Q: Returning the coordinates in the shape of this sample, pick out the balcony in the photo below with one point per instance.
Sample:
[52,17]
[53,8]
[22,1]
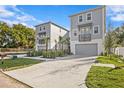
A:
[84,37]
[42,34]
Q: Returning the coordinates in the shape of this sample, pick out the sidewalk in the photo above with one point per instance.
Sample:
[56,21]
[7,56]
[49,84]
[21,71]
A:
[104,65]
[71,57]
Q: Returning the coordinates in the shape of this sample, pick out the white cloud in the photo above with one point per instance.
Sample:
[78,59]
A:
[116,12]
[25,18]
[14,15]
[5,13]
[116,8]
[119,17]
[9,22]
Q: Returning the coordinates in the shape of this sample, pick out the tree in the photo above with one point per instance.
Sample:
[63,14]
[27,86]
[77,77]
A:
[4,34]
[108,40]
[46,40]
[67,42]
[16,36]
[2,55]
[118,35]
[60,42]
[23,36]
[114,38]
[56,45]
[64,41]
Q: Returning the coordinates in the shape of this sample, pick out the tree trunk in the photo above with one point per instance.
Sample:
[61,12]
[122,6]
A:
[46,46]
[2,60]
[56,47]
[62,46]
[69,49]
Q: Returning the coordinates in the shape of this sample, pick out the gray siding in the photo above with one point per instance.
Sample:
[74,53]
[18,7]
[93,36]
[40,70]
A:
[86,50]
[97,19]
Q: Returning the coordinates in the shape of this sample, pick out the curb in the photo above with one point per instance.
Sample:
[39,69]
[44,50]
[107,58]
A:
[15,79]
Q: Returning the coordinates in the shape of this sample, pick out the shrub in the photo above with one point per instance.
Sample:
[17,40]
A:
[102,54]
[44,54]
[53,54]
[48,54]
[60,53]
[34,53]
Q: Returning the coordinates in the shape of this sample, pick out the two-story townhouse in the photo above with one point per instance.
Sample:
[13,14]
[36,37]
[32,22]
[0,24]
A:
[52,31]
[87,32]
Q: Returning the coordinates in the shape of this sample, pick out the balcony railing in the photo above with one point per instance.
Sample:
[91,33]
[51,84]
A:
[84,37]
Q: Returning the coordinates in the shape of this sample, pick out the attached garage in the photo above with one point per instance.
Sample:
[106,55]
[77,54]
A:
[86,50]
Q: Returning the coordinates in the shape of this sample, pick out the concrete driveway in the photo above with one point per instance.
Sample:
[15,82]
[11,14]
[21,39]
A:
[69,73]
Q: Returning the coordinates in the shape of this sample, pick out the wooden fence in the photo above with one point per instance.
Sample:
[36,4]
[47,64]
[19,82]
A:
[13,49]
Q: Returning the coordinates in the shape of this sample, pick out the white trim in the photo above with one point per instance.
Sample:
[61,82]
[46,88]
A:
[98,29]
[74,31]
[98,41]
[86,16]
[82,17]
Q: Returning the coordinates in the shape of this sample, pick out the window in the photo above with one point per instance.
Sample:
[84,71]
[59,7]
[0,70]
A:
[96,29]
[44,28]
[41,41]
[75,34]
[80,18]
[40,29]
[42,34]
[89,17]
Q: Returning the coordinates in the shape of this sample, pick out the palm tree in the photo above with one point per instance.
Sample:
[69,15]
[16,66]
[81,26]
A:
[60,42]
[68,44]
[64,41]
[108,44]
[56,45]
[46,40]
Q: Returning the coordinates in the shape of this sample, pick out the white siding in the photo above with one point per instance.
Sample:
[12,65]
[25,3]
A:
[55,33]
[47,30]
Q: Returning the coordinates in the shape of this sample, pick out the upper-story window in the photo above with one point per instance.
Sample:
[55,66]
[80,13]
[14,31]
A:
[44,28]
[89,16]
[75,34]
[96,29]
[41,41]
[40,28]
[80,18]
[43,34]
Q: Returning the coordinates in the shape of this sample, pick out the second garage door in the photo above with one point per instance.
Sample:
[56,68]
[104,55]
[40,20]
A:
[86,50]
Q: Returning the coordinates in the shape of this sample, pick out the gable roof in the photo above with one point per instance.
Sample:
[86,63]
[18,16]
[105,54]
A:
[89,10]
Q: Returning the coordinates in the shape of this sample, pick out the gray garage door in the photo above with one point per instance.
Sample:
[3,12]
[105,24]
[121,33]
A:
[86,50]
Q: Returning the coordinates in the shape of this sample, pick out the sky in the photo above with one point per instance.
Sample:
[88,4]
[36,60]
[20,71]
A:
[31,15]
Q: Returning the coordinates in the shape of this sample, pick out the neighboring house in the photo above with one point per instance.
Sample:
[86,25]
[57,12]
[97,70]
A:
[87,32]
[51,30]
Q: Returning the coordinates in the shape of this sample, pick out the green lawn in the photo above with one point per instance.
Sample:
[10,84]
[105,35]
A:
[114,60]
[10,64]
[104,77]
